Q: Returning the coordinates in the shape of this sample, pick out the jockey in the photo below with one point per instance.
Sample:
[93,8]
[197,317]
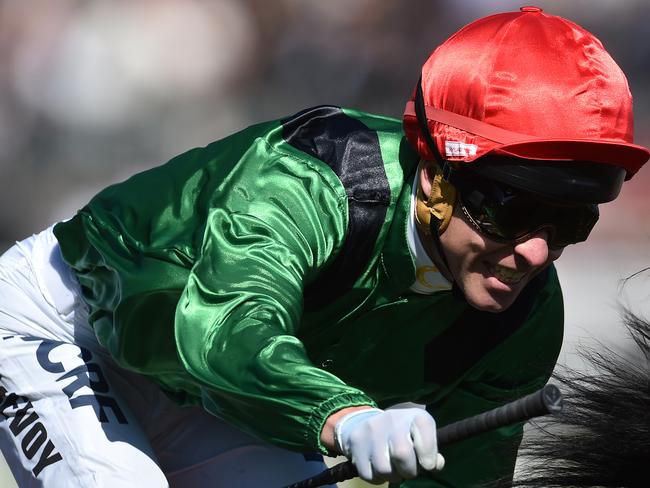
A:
[230,316]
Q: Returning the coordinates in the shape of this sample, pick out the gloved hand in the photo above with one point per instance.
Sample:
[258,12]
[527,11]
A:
[389,445]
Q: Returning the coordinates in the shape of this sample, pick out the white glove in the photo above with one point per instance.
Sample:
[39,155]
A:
[389,445]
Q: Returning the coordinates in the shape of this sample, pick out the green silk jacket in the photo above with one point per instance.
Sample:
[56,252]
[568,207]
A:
[266,277]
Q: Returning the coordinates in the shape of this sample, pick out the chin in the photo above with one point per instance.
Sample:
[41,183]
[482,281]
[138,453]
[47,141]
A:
[487,302]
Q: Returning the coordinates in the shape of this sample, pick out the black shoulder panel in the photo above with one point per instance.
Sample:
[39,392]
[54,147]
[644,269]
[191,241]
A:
[475,333]
[352,150]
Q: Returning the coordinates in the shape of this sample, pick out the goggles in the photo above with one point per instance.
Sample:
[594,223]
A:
[505,214]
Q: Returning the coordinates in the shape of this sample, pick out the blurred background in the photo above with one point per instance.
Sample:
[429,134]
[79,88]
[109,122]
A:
[92,92]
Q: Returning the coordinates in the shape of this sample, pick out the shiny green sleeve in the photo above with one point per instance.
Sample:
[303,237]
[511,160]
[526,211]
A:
[277,225]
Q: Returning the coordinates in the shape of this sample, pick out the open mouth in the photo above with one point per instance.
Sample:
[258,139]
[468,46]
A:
[508,276]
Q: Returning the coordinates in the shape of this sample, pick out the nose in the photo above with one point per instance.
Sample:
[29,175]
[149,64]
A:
[534,249]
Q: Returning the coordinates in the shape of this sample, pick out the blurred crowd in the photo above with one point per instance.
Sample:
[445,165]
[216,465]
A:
[93,91]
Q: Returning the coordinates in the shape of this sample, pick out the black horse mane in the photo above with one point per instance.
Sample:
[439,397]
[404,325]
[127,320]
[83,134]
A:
[602,438]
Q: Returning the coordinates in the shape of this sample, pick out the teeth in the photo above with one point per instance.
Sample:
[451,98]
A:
[507,275]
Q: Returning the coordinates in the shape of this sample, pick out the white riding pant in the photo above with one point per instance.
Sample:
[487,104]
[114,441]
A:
[71,417]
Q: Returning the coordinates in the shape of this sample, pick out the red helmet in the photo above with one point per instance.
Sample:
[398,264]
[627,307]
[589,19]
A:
[525,85]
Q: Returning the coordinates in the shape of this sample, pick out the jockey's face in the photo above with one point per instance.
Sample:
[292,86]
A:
[492,274]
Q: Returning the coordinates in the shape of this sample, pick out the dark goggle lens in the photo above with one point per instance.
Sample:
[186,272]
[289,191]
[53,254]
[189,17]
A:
[517,220]
[504,214]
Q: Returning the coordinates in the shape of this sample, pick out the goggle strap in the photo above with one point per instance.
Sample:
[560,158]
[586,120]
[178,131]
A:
[446,170]
[434,222]
[434,227]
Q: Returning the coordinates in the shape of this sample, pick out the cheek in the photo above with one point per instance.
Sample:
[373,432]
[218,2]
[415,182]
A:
[460,236]
[463,247]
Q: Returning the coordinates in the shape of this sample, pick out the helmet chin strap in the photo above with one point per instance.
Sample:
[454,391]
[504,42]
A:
[433,216]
